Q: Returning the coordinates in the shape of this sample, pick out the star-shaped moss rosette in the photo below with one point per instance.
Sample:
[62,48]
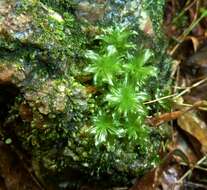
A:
[105,128]
[118,37]
[104,67]
[137,70]
[125,99]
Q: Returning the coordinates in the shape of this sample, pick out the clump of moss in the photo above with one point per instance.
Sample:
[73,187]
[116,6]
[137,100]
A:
[52,36]
[60,5]
[121,74]
[155,11]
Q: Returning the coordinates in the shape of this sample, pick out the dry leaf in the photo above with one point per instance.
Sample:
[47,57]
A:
[158,120]
[180,143]
[193,125]
[164,177]
[194,41]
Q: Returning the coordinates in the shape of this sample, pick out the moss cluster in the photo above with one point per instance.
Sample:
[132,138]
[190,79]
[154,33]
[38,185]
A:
[122,77]
[60,5]
[51,36]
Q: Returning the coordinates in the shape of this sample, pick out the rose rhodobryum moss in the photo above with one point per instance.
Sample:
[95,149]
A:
[121,73]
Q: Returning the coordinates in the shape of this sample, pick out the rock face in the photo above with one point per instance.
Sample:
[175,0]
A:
[44,107]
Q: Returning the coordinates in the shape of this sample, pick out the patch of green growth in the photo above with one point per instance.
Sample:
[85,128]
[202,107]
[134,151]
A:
[180,21]
[60,5]
[155,10]
[121,73]
[58,30]
[56,37]
[57,136]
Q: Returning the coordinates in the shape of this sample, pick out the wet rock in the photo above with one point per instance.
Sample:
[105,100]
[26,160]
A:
[10,72]
[6,75]
[50,113]
[25,112]
[92,12]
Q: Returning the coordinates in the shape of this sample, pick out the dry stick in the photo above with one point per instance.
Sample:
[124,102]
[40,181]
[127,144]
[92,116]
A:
[200,107]
[196,185]
[184,10]
[120,188]
[177,77]
[197,9]
[158,120]
[158,99]
[190,170]
[187,89]
[196,167]
[174,68]
[191,87]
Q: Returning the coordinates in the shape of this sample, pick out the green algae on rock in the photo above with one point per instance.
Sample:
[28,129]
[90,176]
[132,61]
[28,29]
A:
[53,36]
[43,46]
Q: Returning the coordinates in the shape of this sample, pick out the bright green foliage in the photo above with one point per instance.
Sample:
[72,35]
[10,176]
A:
[104,126]
[125,99]
[121,74]
[118,37]
[104,67]
[136,130]
[136,68]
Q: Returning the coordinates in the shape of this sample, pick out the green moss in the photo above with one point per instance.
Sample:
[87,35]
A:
[122,76]
[60,5]
[155,10]
[55,38]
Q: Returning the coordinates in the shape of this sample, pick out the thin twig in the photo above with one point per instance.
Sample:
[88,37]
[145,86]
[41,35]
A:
[191,87]
[190,105]
[120,188]
[187,89]
[177,77]
[158,99]
[190,170]
[184,10]
[195,185]
[186,32]
[196,167]
[174,68]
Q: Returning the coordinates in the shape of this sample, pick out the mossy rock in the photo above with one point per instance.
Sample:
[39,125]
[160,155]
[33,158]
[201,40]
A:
[43,45]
